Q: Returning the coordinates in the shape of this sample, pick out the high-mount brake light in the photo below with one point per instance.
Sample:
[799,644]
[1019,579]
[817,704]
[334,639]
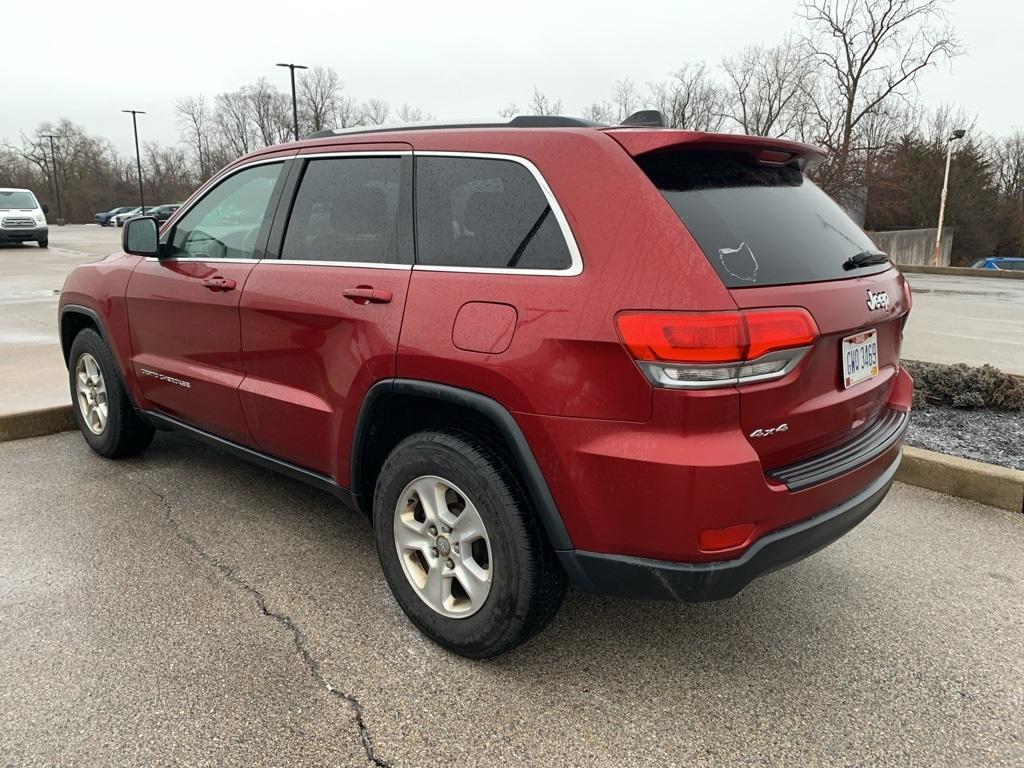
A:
[696,350]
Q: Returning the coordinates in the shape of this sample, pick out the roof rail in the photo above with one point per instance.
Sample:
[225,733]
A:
[519,121]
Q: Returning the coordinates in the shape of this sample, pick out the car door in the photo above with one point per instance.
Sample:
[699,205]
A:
[183,306]
[320,324]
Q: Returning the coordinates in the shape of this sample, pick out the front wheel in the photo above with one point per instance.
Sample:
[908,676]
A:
[460,545]
[104,413]
[44,243]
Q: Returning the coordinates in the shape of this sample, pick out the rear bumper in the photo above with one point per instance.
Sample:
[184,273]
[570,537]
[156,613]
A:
[23,235]
[636,577]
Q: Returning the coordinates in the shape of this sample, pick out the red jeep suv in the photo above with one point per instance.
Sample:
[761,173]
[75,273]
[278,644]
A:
[652,362]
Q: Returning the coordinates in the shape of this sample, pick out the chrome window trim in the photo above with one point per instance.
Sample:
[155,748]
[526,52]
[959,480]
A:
[576,266]
[318,263]
[358,153]
[215,181]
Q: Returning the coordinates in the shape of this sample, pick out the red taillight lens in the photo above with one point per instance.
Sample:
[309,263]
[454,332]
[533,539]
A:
[772,329]
[714,337]
[907,295]
[684,338]
[716,539]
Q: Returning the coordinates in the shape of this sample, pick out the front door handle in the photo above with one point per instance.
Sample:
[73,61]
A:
[366,294]
[219,284]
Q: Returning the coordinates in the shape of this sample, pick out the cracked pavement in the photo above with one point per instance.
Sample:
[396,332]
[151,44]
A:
[186,608]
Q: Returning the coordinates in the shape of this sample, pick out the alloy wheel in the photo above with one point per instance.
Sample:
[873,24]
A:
[443,546]
[92,393]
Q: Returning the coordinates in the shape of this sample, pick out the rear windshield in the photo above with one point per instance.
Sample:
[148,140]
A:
[17,198]
[759,225]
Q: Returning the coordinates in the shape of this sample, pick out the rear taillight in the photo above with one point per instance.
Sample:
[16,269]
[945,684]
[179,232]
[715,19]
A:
[695,350]
[908,300]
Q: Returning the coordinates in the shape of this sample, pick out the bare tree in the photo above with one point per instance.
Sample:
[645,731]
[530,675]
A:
[766,88]
[410,114]
[346,113]
[626,99]
[689,99]
[600,112]
[374,112]
[194,120]
[270,112]
[233,122]
[1008,162]
[319,94]
[868,52]
[540,104]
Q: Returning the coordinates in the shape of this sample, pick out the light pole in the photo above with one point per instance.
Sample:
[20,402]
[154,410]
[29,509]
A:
[958,134]
[138,157]
[56,182]
[295,105]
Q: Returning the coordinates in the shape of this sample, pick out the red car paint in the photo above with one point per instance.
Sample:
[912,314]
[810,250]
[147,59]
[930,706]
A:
[283,361]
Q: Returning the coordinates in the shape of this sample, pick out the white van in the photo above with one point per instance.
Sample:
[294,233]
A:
[22,218]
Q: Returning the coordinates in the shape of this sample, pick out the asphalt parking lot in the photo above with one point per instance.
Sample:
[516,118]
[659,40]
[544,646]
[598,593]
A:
[187,608]
[973,320]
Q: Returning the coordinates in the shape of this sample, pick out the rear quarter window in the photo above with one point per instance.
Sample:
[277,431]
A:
[758,225]
[485,213]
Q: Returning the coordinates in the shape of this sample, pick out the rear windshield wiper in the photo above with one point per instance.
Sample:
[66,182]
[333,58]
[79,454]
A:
[866,259]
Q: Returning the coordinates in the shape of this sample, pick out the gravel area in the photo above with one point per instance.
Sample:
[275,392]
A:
[989,435]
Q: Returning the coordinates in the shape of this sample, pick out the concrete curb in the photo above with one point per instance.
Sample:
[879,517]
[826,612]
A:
[46,421]
[987,483]
[960,271]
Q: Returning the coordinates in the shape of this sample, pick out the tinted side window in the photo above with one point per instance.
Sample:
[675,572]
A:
[346,210]
[225,224]
[484,213]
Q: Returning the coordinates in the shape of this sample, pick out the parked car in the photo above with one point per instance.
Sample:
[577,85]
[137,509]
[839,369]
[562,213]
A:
[106,219]
[1014,263]
[122,217]
[22,218]
[656,363]
[162,212]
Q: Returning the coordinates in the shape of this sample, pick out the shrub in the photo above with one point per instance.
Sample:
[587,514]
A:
[965,386]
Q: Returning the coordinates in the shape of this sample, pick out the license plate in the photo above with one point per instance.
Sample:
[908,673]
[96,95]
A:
[860,358]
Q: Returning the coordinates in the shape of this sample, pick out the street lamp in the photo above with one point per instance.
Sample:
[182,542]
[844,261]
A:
[295,106]
[138,157]
[958,134]
[56,183]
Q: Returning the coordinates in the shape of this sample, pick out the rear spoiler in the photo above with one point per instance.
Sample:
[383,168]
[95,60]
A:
[642,141]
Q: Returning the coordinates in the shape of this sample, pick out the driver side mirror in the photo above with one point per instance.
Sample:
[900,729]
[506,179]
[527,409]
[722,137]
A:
[141,236]
[44,207]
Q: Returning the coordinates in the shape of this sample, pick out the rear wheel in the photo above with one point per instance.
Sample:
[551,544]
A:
[105,415]
[460,545]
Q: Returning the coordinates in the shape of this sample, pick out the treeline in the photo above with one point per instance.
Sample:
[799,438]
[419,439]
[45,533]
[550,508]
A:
[844,79]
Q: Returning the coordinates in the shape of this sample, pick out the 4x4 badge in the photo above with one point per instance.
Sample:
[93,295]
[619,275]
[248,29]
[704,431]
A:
[879,300]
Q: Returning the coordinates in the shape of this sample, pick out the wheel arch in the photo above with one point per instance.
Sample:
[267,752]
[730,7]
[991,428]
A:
[73,319]
[393,409]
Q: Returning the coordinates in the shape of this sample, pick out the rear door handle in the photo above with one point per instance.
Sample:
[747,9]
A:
[366,294]
[219,284]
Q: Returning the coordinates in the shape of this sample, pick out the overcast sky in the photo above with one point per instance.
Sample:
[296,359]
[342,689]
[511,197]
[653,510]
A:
[88,60]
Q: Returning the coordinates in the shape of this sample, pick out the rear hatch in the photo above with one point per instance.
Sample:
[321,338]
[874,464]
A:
[776,240]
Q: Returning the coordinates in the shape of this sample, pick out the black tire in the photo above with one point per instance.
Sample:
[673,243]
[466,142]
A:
[124,434]
[527,584]
[44,243]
